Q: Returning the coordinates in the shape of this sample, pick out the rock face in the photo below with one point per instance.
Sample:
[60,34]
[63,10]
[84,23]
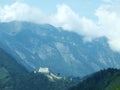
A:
[61,51]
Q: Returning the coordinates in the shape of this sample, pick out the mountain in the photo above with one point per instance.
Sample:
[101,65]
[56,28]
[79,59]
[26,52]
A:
[108,79]
[9,65]
[13,76]
[39,81]
[9,69]
[64,52]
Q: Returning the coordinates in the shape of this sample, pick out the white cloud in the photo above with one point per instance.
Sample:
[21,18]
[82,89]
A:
[108,23]
[69,20]
[66,18]
[21,12]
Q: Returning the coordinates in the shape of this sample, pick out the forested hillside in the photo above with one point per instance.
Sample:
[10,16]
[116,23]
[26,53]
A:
[103,80]
[15,77]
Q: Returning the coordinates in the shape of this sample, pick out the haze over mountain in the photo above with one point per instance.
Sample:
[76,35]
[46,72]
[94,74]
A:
[63,52]
[91,19]
[14,76]
[53,45]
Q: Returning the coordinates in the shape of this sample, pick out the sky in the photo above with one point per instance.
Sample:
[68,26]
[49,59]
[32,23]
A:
[89,18]
[82,7]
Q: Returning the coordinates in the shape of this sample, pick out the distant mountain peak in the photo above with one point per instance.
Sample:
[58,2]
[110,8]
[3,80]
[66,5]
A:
[59,50]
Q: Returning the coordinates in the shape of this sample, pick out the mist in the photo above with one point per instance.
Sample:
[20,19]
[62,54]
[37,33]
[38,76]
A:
[107,23]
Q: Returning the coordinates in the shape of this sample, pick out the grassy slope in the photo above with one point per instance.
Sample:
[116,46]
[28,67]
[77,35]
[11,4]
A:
[9,69]
[3,73]
[115,83]
[103,80]
[9,63]
[15,77]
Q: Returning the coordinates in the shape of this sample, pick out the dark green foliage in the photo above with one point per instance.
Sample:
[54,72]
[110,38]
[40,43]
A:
[9,63]
[9,69]
[32,82]
[15,77]
[103,80]
[38,81]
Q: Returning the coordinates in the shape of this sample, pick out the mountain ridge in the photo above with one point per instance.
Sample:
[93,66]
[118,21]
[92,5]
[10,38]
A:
[64,52]
[13,76]
[107,79]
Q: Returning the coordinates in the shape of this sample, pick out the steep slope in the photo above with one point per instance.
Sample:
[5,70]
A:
[9,69]
[103,80]
[64,52]
[13,76]
[8,63]
[38,81]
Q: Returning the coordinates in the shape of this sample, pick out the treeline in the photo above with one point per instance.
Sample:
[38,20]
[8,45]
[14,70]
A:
[107,79]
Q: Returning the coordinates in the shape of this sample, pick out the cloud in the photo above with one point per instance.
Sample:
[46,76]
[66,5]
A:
[21,12]
[65,17]
[107,24]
